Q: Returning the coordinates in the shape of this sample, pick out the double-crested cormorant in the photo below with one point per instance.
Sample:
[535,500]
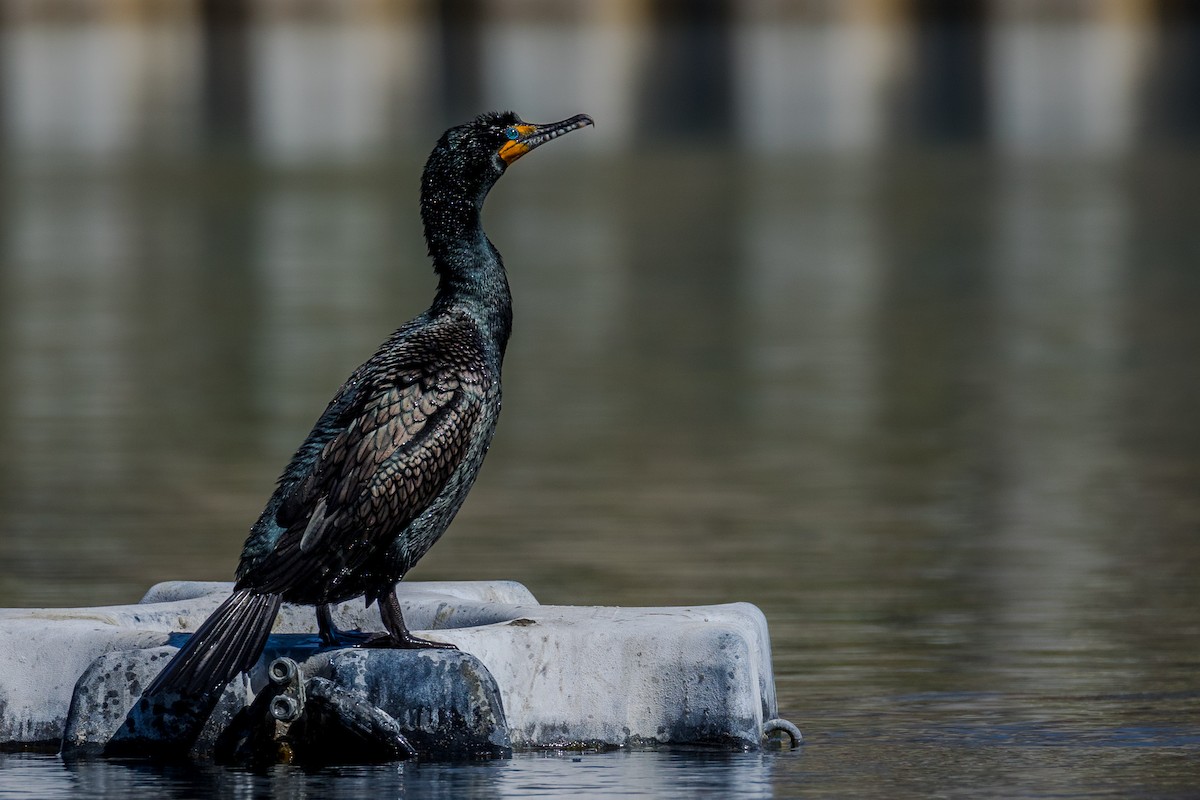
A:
[389,463]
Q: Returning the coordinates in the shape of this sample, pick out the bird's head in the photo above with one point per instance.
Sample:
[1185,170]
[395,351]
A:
[469,158]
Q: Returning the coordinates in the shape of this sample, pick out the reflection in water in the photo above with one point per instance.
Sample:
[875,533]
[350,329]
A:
[550,775]
[900,409]
[934,411]
[1060,254]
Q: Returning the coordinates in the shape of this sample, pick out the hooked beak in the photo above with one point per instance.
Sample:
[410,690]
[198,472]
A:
[534,135]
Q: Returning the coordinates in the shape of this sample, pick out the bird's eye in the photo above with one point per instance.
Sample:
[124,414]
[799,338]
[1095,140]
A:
[512,133]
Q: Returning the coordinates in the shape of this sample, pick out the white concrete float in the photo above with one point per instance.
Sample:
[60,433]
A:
[567,675]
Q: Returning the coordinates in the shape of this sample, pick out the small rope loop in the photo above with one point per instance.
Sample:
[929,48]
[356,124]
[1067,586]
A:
[783,726]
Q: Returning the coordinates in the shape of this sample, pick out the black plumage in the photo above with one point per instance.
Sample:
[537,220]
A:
[390,461]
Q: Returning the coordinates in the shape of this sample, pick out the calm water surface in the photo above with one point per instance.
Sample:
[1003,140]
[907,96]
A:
[936,416]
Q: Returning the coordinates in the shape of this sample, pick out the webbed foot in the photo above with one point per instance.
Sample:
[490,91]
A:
[398,634]
[333,636]
[407,642]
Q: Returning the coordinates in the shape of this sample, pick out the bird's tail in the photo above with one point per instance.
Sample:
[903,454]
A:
[229,642]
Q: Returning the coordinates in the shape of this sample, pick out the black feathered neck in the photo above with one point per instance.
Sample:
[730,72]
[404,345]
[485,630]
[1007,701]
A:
[463,167]
[460,172]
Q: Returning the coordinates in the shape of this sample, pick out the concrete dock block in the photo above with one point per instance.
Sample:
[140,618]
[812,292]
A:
[445,701]
[103,695]
[41,658]
[110,688]
[566,675]
[629,677]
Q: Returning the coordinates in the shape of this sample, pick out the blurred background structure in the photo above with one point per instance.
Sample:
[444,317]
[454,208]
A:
[881,314]
[347,80]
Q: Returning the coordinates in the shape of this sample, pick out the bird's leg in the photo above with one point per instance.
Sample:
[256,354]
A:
[399,635]
[333,636]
